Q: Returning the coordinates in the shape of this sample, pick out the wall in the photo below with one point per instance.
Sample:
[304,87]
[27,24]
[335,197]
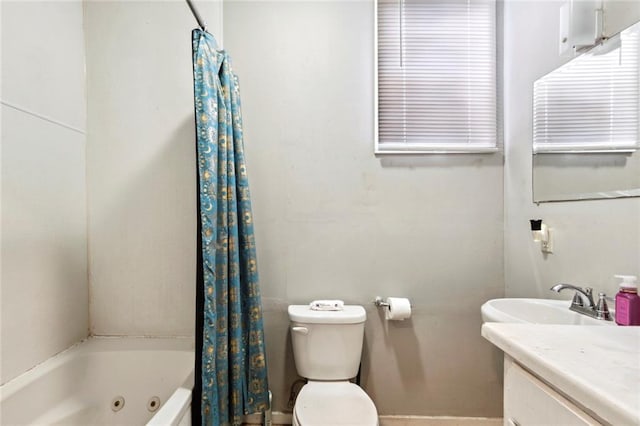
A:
[593,239]
[44,251]
[334,221]
[141,165]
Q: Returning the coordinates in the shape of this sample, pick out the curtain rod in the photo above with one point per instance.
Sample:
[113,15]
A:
[196,15]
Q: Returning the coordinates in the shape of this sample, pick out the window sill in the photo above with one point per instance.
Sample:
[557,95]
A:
[466,150]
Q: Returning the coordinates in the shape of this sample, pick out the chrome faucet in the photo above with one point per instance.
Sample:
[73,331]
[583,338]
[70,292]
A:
[583,301]
[582,294]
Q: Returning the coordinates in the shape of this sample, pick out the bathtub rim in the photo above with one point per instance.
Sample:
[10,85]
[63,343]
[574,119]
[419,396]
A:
[83,347]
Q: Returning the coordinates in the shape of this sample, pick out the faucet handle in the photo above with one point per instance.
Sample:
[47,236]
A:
[577,300]
[602,310]
[607,298]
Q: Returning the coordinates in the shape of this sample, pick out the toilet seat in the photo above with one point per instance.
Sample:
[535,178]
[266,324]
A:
[334,403]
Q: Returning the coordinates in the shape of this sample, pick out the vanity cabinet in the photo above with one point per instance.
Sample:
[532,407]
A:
[558,374]
[528,401]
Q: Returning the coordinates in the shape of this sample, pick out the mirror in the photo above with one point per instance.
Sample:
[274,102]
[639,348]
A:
[586,118]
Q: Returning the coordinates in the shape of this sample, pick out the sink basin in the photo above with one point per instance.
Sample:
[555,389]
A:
[535,311]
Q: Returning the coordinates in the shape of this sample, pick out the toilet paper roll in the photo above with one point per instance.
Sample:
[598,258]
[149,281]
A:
[399,309]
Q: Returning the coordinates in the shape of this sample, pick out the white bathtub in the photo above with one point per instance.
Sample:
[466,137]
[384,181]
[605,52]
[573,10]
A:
[81,385]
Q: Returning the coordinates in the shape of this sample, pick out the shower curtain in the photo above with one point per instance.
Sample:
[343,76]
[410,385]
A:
[231,370]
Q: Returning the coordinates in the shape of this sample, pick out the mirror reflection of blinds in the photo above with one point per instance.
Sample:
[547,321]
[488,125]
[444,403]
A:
[590,104]
[436,75]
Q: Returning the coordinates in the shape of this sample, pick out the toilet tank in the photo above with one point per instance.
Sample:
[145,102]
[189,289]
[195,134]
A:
[327,345]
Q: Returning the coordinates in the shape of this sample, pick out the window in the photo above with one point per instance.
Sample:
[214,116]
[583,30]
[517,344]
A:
[436,76]
[591,103]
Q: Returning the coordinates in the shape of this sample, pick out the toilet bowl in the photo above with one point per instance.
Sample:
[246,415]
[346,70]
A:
[327,346]
[334,403]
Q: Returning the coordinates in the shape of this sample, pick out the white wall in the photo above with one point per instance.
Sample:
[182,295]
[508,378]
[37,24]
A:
[334,221]
[141,165]
[593,239]
[44,250]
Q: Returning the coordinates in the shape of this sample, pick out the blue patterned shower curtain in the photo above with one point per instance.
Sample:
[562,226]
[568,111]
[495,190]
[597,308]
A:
[233,370]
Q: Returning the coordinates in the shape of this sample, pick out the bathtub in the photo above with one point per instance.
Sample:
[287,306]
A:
[105,381]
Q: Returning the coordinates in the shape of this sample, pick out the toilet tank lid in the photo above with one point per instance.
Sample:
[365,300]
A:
[351,314]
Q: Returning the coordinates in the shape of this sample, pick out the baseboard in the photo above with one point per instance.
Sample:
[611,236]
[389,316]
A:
[438,421]
[277,419]
[280,419]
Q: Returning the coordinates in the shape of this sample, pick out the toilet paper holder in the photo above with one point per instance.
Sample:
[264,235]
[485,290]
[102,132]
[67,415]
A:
[395,308]
[379,302]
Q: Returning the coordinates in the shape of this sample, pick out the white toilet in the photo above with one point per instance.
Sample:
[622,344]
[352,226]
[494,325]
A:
[326,347]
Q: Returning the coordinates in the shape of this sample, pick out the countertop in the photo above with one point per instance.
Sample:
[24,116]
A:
[596,367]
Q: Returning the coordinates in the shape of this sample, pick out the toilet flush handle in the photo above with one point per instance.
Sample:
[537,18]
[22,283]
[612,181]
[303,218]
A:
[301,330]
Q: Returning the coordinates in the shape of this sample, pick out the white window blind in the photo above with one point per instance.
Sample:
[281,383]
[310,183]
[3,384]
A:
[436,75]
[591,103]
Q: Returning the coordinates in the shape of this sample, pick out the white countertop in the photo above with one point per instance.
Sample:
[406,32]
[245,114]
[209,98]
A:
[596,367]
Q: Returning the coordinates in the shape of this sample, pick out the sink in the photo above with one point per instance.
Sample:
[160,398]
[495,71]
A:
[535,311]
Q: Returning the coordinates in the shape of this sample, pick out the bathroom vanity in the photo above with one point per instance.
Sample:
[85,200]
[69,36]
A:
[569,375]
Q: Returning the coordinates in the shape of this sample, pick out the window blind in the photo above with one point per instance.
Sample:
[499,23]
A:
[436,75]
[591,103]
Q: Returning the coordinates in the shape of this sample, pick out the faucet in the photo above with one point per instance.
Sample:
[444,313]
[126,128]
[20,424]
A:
[582,294]
[583,301]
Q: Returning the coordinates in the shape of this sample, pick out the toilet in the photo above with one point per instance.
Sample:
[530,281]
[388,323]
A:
[326,348]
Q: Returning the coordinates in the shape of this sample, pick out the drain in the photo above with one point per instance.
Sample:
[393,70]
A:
[153,404]
[117,403]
